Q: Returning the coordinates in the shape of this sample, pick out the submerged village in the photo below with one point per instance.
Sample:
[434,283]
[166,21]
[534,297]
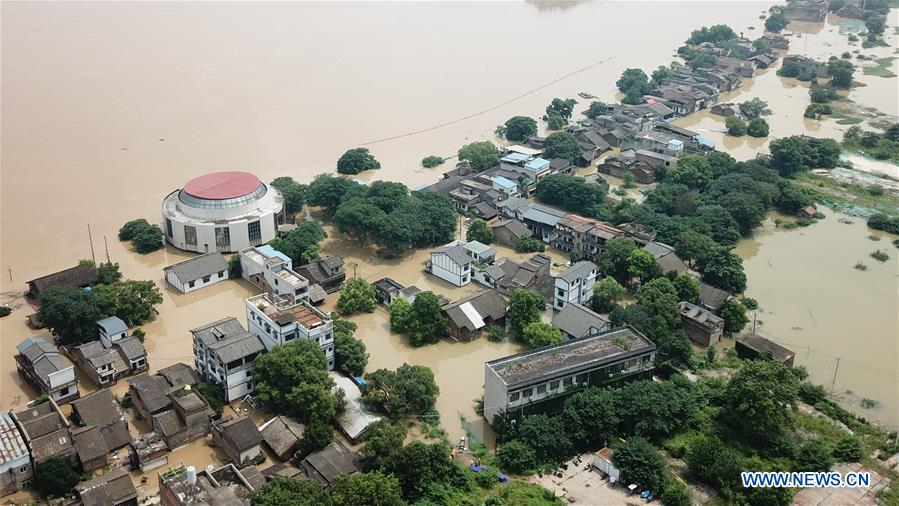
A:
[580,267]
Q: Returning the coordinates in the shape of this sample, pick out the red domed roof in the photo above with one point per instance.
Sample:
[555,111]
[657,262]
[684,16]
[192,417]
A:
[222,185]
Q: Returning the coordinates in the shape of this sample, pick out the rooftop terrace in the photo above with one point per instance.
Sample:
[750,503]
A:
[577,354]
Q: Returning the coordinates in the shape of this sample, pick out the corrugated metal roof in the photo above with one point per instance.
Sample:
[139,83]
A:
[12,445]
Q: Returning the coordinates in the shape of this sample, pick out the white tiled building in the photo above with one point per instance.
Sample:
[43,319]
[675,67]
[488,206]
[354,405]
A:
[280,322]
[451,263]
[575,285]
[272,271]
[225,353]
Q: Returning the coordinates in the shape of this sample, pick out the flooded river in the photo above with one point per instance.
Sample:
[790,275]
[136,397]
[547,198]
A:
[107,107]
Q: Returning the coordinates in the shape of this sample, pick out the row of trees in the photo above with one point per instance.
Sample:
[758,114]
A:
[302,243]
[72,313]
[385,213]
[571,193]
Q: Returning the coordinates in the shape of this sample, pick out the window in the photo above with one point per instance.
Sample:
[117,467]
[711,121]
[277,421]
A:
[221,274]
[541,389]
[254,231]
[581,379]
[23,469]
[567,382]
[223,237]
[554,385]
[64,391]
[631,363]
[206,279]
[190,235]
[560,292]
[514,396]
[168,227]
[527,392]
[190,284]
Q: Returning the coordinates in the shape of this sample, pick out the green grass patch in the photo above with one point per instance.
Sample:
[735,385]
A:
[841,193]
[882,69]
[845,119]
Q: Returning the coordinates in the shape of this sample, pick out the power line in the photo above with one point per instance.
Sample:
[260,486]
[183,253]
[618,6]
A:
[493,108]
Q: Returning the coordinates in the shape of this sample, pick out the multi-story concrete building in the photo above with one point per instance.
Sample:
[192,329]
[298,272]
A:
[539,380]
[225,353]
[272,271]
[574,285]
[46,370]
[280,322]
[702,326]
[16,470]
[451,263]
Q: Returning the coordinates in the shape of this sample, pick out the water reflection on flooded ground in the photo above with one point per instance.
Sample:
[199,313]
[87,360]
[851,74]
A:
[816,303]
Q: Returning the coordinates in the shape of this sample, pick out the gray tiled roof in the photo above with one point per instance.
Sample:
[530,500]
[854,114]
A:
[700,315]
[99,408]
[179,374]
[114,487]
[487,303]
[327,464]
[199,266]
[151,389]
[228,339]
[51,445]
[212,333]
[577,271]
[282,434]
[242,432]
[456,253]
[712,297]
[131,347]
[49,364]
[578,321]
[89,443]
[34,347]
[113,325]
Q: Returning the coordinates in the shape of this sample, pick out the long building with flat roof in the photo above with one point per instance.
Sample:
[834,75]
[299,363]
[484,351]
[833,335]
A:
[537,380]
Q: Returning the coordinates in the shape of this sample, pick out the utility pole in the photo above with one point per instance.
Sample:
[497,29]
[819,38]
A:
[834,382]
[106,244]
[10,274]
[91,239]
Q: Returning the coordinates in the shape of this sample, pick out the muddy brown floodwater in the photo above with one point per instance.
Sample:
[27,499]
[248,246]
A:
[107,107]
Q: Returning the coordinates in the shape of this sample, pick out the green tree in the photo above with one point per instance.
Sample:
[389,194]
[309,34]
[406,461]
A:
[849,449]
[716,222]
[660,301]
[294,194]
[357,296]
[776,23]
[426,324]
[746,208]
[350,355]
[527,244]
[327,191]
[148,239]
[641,264]
[725,270]
[70,313]
[758,400]
[694,247]
[715,34]
[360,219]
[420,467]
[213,394]
[282,490]
[640,462]
[555,122]
[366,489]
[520,128]
[654,410]
[595,109]
[480,155]
[590,418]
[382,439]
[813,456]
[318,434]
[400,314]
[539,334]
[293,379]
[126,233]
[613,261]
[301,245]
[108,273]
[659,74]
[134,301]
[714,462]
[562,145]
[410,390]
[675,493]
[572,193]
[525,307]
[55,478]
[547,436]
[754,108]
[606,293]
[429,162]
[735,126]
[758,127]
[841,73]
[479,231]
[687,287]
[702,61]
[734,315]
[876,26]
[356,160]
[632,80]
[561,107]
[517,457]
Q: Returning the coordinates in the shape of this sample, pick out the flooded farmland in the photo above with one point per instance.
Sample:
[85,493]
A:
[108,107]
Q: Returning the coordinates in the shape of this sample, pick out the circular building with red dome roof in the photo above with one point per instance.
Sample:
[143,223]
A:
[223,211]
